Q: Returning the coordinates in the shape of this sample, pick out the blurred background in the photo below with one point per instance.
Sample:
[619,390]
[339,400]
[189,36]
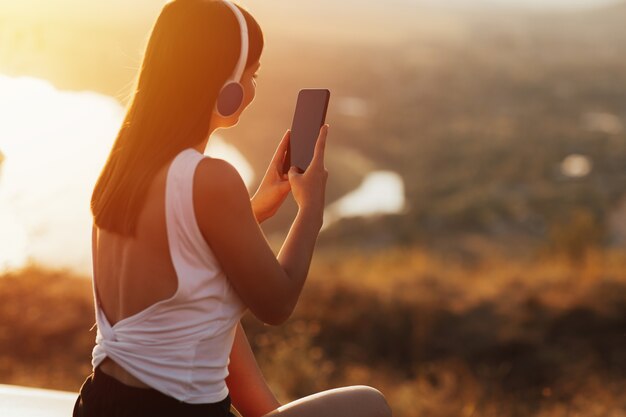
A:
[473,257]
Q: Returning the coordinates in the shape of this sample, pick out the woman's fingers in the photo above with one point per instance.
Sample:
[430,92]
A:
[320,146]
[279,155]
[282,146]
[277,165]
[293,173]
[297,170]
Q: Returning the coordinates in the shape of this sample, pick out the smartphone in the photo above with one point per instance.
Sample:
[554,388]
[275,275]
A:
[309,117]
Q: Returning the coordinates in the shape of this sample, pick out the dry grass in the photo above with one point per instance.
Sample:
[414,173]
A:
[437,337]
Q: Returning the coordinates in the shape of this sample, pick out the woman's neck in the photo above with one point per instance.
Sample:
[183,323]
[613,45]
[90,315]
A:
[201,147]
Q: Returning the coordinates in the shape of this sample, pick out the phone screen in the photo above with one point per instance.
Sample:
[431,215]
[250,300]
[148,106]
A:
[308,118]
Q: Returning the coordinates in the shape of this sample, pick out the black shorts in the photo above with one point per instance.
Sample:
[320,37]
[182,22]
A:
[102,395]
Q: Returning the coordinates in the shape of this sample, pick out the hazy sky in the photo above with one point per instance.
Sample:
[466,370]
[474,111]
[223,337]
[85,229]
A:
[139,6]
[543,4]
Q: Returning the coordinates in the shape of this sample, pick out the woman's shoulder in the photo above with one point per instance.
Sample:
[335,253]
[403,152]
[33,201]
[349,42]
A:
[216,180]
[215,174]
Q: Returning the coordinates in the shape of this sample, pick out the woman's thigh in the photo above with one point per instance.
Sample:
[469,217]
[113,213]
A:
[352,401]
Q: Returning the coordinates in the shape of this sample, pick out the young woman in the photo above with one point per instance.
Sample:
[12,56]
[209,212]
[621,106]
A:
[178,254]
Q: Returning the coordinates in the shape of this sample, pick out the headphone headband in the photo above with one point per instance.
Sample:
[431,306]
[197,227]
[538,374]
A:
[243,56]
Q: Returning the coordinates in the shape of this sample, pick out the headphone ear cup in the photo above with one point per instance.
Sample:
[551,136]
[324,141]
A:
[229,99]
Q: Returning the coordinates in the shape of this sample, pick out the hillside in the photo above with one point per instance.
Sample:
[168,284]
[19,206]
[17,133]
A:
[479,128]
[476,112]
[436,336]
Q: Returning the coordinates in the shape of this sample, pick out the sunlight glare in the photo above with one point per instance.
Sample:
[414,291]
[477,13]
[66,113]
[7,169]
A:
[576,166]
[54,145]
[381,192]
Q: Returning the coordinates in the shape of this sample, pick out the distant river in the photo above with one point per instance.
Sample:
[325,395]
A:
[53,145]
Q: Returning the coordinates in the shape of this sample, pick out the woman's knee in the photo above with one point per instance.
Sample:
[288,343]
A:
[348,401]
[374,399]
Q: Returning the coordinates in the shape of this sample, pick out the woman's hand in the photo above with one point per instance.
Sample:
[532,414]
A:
[309,188]
[275,185]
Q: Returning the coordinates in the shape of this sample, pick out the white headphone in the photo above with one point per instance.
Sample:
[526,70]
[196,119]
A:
[230,97]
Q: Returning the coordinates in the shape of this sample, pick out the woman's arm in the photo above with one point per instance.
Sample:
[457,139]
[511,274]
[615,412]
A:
[267,285]
[249,392]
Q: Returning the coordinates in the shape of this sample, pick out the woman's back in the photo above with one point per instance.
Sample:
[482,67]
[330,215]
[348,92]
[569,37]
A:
[174,335]
[132,273]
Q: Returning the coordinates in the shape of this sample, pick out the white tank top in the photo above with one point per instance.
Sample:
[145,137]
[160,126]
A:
[179,346]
